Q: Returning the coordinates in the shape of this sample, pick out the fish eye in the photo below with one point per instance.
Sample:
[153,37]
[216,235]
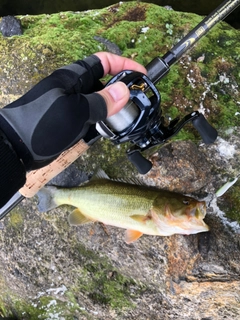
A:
[186,202]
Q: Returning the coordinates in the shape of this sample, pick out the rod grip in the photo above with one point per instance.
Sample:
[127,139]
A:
[36,179]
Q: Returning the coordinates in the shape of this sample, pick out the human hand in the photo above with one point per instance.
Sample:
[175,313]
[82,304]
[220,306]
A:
[116,95]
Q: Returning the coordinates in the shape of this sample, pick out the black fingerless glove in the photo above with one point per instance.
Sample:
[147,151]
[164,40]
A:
[47,120]
[56,113]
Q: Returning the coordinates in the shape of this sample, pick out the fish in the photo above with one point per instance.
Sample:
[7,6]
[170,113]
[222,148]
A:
[138,208]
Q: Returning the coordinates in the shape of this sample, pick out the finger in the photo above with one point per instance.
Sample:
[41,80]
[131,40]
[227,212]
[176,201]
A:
[115,96]
[113,64]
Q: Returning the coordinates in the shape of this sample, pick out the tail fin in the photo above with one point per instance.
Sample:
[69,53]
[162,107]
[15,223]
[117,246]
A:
[46,200]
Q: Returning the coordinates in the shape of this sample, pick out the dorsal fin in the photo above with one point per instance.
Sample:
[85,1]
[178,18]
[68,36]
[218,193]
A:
[99,174]
[133,181]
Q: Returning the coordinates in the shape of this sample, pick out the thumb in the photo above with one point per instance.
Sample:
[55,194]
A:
[116,96]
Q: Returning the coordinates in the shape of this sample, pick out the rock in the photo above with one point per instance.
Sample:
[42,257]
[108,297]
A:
[70,177]
[110,46]
[179,167]
[49,270]
[10,26]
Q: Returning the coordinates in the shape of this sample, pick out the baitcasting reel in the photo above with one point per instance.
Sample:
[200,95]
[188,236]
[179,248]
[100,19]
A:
[142,123]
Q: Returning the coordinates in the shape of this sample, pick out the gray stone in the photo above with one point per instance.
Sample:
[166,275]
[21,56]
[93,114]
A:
[10,26]
[70,177]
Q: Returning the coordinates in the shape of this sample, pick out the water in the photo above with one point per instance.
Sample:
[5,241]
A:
[15,7]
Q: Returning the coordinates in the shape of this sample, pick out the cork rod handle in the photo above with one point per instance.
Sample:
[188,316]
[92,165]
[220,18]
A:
[36,179]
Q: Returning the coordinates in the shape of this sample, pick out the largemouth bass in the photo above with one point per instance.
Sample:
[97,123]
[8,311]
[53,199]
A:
[139,209]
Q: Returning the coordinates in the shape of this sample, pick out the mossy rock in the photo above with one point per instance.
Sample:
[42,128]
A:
[157,277]
[50,41]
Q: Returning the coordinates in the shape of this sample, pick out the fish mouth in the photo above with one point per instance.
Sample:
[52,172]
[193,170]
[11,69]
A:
[201,210]
[196,216]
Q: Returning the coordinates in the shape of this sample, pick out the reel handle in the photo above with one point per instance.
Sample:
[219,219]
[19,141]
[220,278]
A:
[206,131]
[137,159]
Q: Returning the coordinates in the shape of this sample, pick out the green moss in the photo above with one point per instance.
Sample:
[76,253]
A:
[230,203]
[12,307]
[104,284]
[50,41]
[108,157]
[44,307]
[66,33]
[3,308]
[229,115]
[173,112]
[185,135]
[96,278]
[16,218]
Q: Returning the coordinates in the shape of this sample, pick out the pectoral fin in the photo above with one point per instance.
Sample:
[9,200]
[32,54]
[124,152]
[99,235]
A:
[132,235]
[138,218]
[76,218]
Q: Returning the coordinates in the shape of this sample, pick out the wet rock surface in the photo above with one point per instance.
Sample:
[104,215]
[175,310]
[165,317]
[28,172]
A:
[51,270]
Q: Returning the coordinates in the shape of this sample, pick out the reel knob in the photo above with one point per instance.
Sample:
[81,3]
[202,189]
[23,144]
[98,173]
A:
[206,131]
[137,159]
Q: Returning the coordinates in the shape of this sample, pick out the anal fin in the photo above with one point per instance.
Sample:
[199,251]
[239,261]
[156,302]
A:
[76,218]
[132,235]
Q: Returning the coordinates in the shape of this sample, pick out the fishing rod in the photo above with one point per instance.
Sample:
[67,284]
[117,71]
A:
[158,67]
[140,121]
